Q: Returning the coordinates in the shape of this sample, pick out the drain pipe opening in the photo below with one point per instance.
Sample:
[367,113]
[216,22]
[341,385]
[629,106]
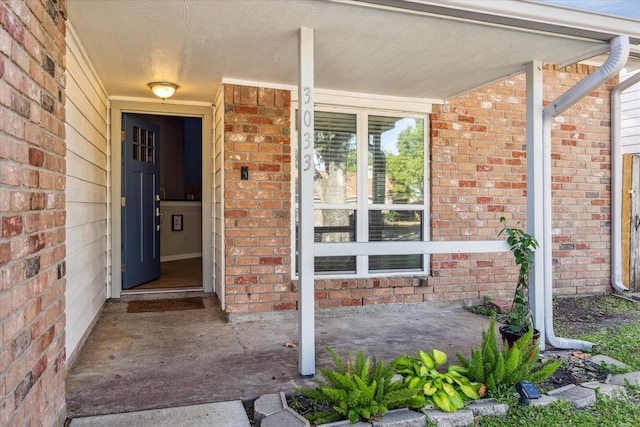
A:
[618,53]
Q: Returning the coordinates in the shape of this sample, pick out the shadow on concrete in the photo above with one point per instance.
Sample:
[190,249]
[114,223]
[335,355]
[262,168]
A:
[138,361]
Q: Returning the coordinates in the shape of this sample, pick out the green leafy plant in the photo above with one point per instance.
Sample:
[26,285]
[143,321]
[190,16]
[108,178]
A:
[446,391]
[360,390]
[522,246]
[498,369]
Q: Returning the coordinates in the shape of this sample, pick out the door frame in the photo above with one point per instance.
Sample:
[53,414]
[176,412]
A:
[117,107]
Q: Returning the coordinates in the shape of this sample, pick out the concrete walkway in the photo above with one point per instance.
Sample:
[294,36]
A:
[220,414]
[144,361]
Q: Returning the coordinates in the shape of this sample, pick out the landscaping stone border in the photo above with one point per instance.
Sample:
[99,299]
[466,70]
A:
[272,409]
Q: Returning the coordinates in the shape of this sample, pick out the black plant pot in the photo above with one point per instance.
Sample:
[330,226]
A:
[511,337]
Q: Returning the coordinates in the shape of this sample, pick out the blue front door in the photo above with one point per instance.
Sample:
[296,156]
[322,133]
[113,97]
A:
[140,202]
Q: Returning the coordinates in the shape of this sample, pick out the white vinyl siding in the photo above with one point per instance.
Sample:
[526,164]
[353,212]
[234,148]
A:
[630,119]
[218,187]
[86,194]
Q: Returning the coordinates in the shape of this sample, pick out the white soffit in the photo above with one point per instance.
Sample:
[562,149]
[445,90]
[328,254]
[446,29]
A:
[358,48]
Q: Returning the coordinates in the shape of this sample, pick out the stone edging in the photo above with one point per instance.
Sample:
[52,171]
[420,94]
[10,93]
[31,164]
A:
[271,410]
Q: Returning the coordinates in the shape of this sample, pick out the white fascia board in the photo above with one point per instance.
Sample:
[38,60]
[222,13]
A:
[525,14]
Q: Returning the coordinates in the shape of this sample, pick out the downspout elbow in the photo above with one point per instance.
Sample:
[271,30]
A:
[618,54]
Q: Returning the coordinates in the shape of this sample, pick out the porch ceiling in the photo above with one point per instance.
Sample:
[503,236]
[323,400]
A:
[358,48]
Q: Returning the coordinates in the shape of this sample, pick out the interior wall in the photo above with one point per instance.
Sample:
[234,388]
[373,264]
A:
[86,194]
[183,241]
[172,155]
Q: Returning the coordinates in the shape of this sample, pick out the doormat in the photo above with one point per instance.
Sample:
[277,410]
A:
[173,304]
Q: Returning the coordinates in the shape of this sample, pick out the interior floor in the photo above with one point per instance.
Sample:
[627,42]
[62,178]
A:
[183,273]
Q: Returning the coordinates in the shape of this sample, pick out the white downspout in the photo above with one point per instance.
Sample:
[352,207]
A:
[618,53]
[616,183]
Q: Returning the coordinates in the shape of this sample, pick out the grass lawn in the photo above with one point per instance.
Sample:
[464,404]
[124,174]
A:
[613,324]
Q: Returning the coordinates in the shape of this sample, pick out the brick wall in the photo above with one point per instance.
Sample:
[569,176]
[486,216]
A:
[32,213]
[478,174]
[581,187]
[257,211]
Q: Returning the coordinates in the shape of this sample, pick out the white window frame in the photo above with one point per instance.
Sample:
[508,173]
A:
[362,206]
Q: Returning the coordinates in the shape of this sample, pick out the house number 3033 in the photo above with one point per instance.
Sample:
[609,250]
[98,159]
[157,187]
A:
[307,129]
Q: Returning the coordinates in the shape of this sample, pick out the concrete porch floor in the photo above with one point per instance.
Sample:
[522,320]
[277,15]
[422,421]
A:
[138,361]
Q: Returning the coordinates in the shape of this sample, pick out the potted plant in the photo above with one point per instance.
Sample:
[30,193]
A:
[519,319]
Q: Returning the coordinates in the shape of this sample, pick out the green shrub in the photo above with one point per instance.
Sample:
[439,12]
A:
[445,391]
[498,369]
[522,246]
[361,390]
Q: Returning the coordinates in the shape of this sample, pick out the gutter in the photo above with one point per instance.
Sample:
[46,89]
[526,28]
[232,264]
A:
[618,54]
[616,183]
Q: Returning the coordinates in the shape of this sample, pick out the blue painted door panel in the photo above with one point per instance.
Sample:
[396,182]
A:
[140,220]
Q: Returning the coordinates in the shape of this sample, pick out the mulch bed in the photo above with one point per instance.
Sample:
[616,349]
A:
[579,315]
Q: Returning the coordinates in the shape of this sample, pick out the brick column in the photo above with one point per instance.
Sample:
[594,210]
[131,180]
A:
[257,210]
[32,213]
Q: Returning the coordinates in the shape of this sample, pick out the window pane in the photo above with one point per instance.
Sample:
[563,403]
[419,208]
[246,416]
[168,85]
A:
[334,225]
[342,229]
[335,264]
[396,160]
[335,157]
[335,165]
[399,226]
[395,262]
[395,225]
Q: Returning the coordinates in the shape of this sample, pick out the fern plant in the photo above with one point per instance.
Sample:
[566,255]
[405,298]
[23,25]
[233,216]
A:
[361,390]
[498,369]
[446,391]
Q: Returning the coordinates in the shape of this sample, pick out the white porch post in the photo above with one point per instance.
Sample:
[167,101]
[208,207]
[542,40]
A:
[535,192]
[306,315]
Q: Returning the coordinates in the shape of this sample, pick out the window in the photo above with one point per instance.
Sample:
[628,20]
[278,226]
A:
[144,143]
[368,187]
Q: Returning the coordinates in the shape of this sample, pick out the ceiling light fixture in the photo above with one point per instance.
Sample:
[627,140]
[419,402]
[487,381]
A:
[163,89]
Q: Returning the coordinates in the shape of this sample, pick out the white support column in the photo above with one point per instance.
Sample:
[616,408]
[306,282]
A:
[535,192]
[306,309]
